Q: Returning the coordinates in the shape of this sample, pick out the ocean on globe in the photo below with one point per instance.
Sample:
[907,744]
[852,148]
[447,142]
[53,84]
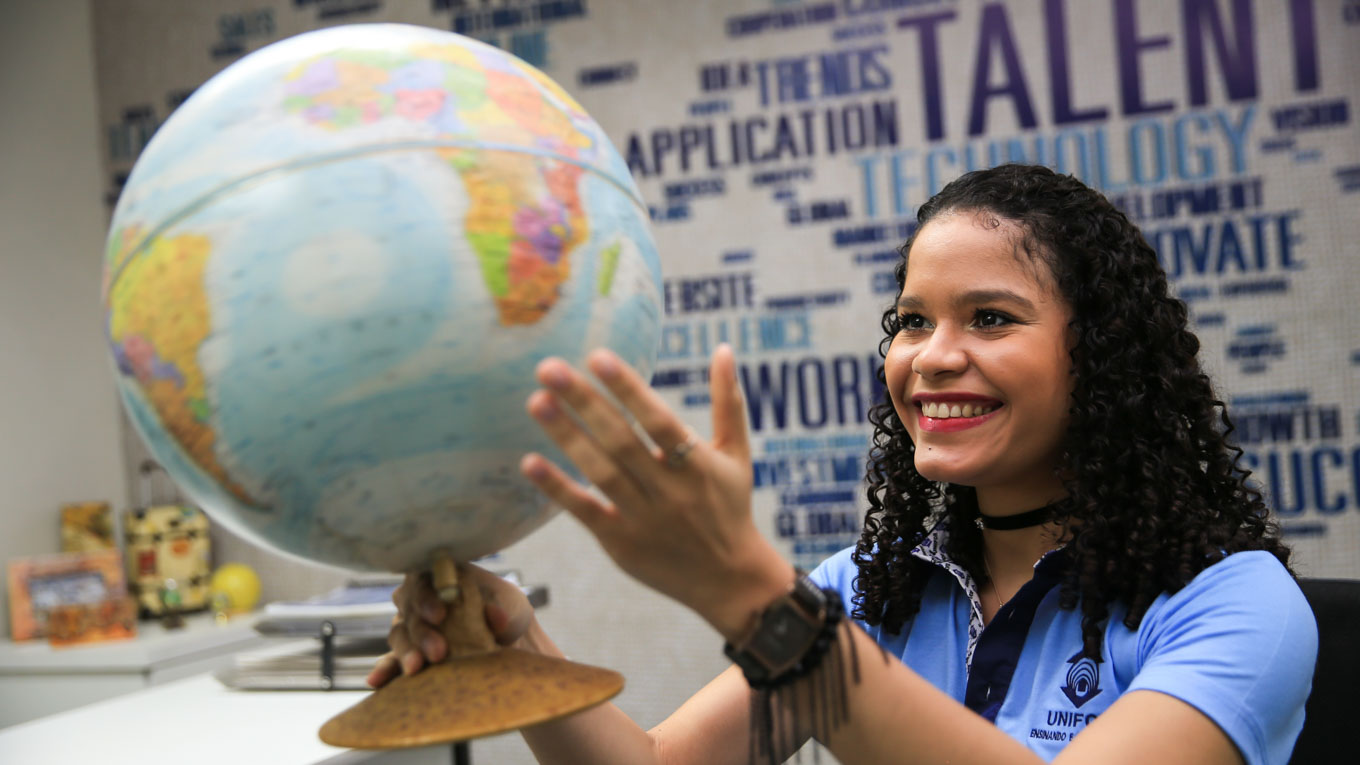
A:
[331,273]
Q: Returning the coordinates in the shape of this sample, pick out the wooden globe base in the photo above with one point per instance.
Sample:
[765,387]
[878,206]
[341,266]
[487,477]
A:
[479,690]
[471,696]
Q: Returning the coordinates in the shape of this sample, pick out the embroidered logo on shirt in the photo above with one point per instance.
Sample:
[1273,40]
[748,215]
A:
[1083,680]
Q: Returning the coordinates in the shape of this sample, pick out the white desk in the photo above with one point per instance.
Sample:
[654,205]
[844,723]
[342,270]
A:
[38,680]
[197,720]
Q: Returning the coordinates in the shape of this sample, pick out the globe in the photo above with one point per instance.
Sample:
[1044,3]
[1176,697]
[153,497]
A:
[331,273]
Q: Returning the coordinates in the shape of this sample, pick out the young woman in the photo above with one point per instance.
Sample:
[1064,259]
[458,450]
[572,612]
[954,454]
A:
[1061,560]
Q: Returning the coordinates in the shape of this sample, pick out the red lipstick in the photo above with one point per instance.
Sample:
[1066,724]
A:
[952,397]
[952,424]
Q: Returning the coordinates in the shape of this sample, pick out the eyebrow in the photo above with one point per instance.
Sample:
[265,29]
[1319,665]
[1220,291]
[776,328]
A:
[972,297]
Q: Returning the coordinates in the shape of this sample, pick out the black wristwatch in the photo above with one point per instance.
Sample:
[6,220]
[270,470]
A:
[782,634]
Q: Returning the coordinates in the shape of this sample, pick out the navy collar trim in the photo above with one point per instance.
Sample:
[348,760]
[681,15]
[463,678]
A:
[932,549]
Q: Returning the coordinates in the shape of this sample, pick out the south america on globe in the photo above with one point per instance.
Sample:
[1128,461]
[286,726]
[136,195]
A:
[330,275]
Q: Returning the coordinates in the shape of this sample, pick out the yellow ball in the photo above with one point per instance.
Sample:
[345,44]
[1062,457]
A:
[239,585]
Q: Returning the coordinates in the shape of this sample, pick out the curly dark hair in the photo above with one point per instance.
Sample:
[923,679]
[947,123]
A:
[1155,491]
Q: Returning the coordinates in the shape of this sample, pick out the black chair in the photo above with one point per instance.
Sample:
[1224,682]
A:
[1331,712]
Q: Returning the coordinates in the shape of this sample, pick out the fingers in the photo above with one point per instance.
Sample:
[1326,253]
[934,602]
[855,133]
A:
[613,471]
[406,657]
[505,627]
[416,594]
[606,425]
[561,489]
[637,396]
[729,406]
[384,671]
[415,638]
[506,608]
[427,643]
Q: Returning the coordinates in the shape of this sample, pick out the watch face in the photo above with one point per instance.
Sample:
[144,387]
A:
[784,637]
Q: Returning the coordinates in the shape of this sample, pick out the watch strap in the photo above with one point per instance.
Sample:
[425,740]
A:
[782,635]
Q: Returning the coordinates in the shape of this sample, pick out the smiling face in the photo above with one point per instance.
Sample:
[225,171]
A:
[980,371]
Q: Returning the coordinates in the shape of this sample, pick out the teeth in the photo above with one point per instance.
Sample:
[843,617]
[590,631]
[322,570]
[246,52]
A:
[946,411]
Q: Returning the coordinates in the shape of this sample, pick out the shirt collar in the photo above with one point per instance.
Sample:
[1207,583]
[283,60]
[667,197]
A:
[933,549]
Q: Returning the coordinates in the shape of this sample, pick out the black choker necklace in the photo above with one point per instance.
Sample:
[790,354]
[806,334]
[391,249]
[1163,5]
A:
[1018,521]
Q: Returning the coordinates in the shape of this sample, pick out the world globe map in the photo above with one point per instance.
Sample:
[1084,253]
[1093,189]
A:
[332,272]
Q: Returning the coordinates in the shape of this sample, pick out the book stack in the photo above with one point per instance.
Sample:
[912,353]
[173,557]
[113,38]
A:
[347,630]
[297,665]
[361,609]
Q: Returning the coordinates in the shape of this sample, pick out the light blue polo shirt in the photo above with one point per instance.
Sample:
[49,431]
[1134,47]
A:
[1238,643]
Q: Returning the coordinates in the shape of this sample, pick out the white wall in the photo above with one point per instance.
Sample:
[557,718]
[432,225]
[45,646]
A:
[60,437]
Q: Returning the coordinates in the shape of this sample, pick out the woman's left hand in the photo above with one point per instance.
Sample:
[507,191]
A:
[676,516]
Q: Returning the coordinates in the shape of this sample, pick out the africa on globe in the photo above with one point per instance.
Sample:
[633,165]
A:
[331,273]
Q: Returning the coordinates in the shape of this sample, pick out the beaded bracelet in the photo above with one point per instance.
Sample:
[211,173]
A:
[835,611]
[785,712]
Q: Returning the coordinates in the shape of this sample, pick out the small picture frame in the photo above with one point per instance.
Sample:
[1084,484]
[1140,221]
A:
[110,619]
[42,584]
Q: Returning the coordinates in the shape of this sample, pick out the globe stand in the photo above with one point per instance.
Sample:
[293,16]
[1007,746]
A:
[480,689]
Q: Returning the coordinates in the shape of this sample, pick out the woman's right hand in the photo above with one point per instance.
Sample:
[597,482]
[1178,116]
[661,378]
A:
[415,638]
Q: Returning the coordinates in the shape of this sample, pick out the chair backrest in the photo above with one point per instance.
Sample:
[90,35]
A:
[1330,722]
